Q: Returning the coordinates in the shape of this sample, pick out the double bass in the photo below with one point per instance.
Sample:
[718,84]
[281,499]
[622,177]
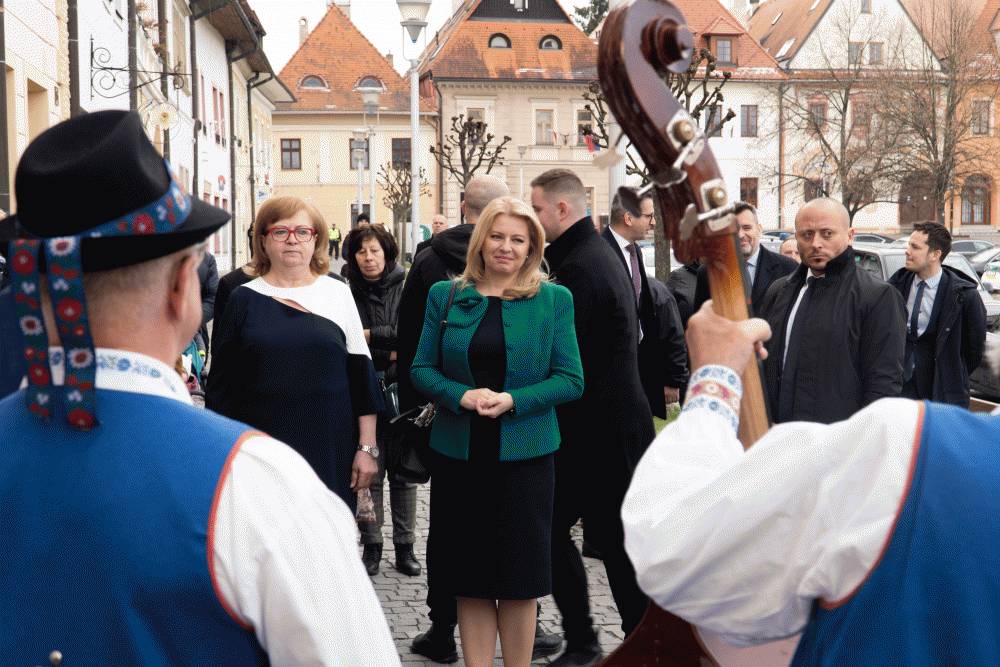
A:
[642,42]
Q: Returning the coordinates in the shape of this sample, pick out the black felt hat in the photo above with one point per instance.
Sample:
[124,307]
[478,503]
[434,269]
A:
[90,170]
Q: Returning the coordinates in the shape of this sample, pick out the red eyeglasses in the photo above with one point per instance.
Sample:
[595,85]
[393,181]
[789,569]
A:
[280,233]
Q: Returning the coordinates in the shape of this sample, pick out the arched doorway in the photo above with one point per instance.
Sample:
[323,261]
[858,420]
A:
[916,199]
[976,195]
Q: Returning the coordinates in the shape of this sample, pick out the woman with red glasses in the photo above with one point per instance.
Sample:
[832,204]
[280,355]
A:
[291,357]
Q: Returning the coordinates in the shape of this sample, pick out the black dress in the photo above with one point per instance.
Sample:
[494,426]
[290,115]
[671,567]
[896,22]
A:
[292,375]
[490,519]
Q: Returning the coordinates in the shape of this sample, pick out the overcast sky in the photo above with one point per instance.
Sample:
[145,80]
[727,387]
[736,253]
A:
[377,19]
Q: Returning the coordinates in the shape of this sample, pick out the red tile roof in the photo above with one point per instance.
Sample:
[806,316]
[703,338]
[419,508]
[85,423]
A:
[461,50]
[796,20]
[337,51]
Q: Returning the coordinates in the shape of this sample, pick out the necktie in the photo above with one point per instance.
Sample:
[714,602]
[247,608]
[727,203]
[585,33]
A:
[636,276]
[911,344]
[786,387]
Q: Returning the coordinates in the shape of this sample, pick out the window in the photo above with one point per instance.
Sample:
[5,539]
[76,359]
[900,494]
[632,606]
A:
[291,153]
[313,81]
[777,17]
[545,134]
[748,120]
[813,189]
[976,200]
[350,155]
[862,116]
[713,121]
[748,191]
[499,41]
[370,82]
[520,5]
[866,6]
[476,115]
[724,51]
[400,152]
[980,117]
[817,115]
[875,53]
[854,50]
[584,126]
[215,113]
[365,208]
[785,48]
[221,136]
[550,43]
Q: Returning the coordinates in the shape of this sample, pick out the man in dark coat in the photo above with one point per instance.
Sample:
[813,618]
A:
[659,356]
[605,432]
[439,223]
[839,336]
[682,283]
[945,320]
[763,267]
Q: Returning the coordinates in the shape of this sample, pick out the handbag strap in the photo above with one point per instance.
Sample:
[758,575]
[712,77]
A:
[444,321]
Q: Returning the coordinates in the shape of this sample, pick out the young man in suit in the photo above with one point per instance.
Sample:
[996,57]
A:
[662,351]
[945,320]
[763,266]
[604,433]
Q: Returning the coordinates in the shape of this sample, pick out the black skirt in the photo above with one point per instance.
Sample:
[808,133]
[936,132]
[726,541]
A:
[491,520]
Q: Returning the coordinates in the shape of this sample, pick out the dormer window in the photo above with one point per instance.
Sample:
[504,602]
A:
[785,48]
[370,82]
[550,43]
[313,81]
[499,41]
[724,50]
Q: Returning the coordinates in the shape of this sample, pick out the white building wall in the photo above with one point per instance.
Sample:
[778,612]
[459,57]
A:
[103,36]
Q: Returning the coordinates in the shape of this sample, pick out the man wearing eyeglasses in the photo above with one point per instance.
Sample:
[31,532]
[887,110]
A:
[662,351]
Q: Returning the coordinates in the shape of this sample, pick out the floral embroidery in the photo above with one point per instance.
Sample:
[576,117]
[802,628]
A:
[23,261]
[69,309]
[31,325]
[62,246]
[80,357]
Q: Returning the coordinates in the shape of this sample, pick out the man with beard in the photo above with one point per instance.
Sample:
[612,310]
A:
[604,433]
[839,331]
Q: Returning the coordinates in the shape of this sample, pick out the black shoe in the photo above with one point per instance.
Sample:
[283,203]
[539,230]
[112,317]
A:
[438,644]
[580,656]
[589,551]
[371,557]
[406,562]
[546,643]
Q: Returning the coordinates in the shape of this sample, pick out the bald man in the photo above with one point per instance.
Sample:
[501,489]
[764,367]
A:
[439,223]
[839,332]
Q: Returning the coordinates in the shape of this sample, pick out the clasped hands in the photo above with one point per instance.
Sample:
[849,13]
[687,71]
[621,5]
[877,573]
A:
[487,402]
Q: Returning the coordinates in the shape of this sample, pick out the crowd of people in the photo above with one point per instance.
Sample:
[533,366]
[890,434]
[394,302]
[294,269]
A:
[544,350]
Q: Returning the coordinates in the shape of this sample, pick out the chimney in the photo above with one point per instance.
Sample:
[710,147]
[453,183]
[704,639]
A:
[303,29]
[388,57]
[344,6]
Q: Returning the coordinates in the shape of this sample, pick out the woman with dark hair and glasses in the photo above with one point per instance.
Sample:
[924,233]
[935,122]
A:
[291,356]
[377,283]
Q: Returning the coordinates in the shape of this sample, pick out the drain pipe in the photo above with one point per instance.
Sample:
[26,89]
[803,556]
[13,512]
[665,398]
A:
[232,156]
[250,150]
[133,60]
[73,28]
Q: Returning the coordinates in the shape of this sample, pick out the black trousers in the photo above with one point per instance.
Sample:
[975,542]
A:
[440,601]
[592,491]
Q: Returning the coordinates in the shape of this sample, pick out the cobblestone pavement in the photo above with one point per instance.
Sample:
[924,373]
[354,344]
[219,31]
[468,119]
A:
[403,598]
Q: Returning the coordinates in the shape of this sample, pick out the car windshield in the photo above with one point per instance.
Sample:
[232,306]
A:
[893,262]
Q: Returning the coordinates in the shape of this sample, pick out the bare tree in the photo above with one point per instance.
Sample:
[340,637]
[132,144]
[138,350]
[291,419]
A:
[843,145]
[943,104]
[590,15]
[467,148]
[396,182]
[699,90]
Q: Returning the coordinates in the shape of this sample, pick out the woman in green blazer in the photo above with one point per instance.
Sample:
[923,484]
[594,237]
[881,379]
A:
[507,356]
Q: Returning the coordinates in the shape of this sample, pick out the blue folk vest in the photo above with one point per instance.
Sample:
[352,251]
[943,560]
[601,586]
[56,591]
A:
[934,597]
[104,536]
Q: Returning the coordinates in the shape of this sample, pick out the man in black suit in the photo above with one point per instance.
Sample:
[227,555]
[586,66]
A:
[662,351]
[945,320]
[763,266]
[606,431]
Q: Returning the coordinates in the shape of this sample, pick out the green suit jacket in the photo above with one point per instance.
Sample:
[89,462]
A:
[543,368]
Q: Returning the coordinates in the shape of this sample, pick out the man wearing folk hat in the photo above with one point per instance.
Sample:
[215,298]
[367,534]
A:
[124,543]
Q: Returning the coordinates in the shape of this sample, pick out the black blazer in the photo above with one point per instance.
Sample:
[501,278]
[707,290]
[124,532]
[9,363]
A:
[770,267]
[662,357]
[961,333]
[610,426]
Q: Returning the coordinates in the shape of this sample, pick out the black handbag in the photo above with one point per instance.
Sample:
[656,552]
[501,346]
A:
[407,458]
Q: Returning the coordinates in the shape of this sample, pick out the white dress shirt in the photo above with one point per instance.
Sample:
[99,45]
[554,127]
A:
[623,245]
[742,543]
[791,317]
[751,262]
[926,301]
[284,555]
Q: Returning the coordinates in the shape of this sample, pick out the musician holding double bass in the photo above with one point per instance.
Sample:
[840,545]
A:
[875,536]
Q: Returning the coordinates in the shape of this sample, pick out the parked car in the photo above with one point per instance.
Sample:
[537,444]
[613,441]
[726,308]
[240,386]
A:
[984,257]
[773,238]
[884,261]
[649,258]
[971,247]
[991,276]
[869,237]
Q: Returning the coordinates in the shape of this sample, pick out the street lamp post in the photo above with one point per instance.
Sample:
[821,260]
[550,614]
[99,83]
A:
[369,98]
[521,150]
[358,145]
[413,14]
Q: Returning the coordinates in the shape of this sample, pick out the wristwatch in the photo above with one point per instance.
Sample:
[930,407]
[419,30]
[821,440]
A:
[369,449]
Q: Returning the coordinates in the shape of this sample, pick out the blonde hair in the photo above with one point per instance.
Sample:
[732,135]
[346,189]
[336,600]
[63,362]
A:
[282,208]
[531,275]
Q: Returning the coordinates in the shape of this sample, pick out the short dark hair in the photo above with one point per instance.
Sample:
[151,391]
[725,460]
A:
[938,236]
[741,206]
[356,237]
[363,217]
[560,181]
[618,208]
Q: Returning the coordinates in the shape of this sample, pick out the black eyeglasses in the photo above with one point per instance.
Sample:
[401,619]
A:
[280,233]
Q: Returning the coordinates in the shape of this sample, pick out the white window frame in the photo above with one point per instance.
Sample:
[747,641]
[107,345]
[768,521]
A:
[579,106]
[544,105]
